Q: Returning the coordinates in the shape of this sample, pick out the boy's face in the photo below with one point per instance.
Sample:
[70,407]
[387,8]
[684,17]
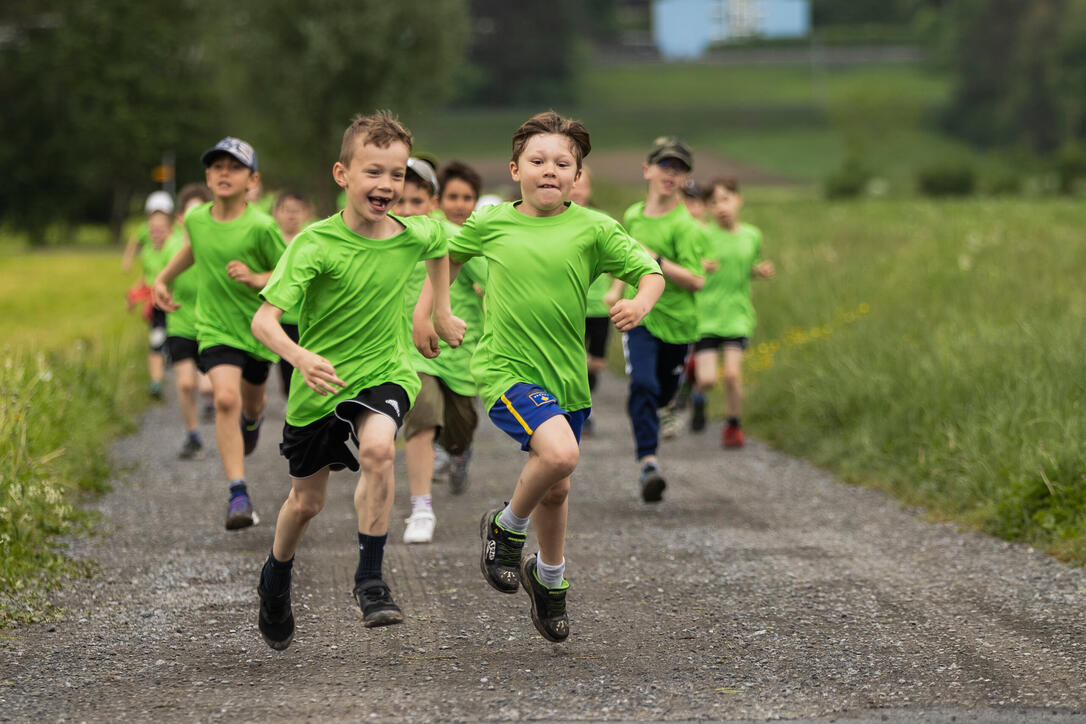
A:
[373,179]
[582,190]
[457,200]
[229,178]
[290,214]
[415,201]
[666,177]
[724,205]
[694,205]
[158,228]
[546,171]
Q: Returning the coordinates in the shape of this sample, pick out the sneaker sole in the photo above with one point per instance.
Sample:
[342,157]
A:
[238,522]
[482,556]
[652,490]
[536,621]
[277,645]
[383,618]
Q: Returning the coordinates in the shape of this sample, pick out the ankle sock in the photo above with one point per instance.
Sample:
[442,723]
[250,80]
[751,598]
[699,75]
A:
[511,522]
[550,576]
[237,488]
[371,554]
[421,502]
[733,422]
[276,574]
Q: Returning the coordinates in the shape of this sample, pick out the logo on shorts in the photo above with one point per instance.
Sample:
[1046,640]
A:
[541,398]
[393,405]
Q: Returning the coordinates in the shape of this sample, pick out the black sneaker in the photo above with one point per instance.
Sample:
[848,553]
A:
[697,420]
[375,600]
[500,561]
[652,483]
[193,449]
[250,433]
[548,604]
[276,621]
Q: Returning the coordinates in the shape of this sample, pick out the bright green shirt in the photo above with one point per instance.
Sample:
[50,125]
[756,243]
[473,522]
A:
[675,236]
[182,323]
[155,260]
[595,306]
[349,290]
[538,273]
[224,307]
[725,308]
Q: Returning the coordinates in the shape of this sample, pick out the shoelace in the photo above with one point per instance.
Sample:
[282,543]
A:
[556,607]
[376,595]
[506,553]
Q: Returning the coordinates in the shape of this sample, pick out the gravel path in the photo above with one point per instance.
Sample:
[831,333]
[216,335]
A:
[760,588]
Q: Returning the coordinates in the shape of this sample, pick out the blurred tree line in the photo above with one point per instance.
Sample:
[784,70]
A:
[95,91]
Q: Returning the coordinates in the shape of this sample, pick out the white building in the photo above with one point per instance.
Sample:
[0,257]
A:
[683,29]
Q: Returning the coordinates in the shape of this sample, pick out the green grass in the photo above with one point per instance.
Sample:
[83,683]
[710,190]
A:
[72,374]
[933,350]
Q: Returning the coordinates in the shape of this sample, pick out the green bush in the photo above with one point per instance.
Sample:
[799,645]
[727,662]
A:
[1070,166]
[946,180]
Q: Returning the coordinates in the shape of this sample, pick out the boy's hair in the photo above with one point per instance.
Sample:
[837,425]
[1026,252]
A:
[421,173]
[290,195]
[551,122]
[462,171]
[725,182]
[382,129]
[192,191]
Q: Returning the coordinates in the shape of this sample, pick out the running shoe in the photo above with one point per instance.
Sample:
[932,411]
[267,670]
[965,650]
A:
[375,600]
[458,472]
[732,436]
[276,620]
[670,423]
[250,433]
[207,415]
[193,449]
[239,513]
[420,527]
[548,604]
[652,483]
[500,561]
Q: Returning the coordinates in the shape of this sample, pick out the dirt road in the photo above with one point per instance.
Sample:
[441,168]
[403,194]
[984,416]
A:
[760,588]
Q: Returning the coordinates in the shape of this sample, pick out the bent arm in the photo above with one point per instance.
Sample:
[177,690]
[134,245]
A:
[681,276]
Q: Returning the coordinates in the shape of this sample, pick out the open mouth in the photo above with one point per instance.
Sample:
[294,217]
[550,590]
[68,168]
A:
[379,204]
[549,186]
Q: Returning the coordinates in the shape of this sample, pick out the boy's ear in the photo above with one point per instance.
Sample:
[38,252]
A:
[578,176]
[254,179]
[645,171]
[339,173]
[514,171]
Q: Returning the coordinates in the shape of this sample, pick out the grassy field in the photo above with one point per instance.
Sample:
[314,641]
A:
[934,350]
[72,377]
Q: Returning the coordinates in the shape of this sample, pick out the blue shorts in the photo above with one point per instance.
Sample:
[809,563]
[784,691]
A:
[524,407]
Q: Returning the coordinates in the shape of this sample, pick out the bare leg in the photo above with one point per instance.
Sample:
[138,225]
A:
[185,372]
[156,366]
[226,384]
[705,369]
[420,462]
[543,486]
[733,380]
[376,487]
[305,500]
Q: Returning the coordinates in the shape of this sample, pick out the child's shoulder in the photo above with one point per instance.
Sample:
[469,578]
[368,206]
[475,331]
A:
[198,212]
[634,210]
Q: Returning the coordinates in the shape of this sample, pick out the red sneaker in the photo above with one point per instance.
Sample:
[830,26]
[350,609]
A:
[732,437]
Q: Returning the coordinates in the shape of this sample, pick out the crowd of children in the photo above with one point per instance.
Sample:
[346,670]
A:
[414,303]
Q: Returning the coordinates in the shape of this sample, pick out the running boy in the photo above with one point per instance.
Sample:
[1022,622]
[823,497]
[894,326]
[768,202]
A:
[542,254]
[291,211]
[656,350]
[355,380]
[234,248]
[733,256]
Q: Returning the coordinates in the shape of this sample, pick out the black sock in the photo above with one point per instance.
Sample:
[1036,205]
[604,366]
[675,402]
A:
[592,377]
[733,422]
[276,574]
[371,553]
[237,487]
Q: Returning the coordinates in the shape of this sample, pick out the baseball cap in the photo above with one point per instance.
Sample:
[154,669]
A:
[231,146]
[424,171]
[671,147]
[158,201]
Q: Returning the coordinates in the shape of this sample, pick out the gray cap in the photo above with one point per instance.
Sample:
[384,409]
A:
[424,171]
[231,146]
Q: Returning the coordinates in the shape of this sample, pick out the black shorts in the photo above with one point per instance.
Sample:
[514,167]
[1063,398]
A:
[717,343]
[182,348]
[323,443]
[157,338]
[596,332]
[253,370]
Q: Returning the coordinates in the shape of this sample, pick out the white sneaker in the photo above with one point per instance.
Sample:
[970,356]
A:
[420,527]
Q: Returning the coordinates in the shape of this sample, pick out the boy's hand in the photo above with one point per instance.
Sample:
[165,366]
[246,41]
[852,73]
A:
[318,373]
[241,273]
[424,337]
[628,313]
[710,265]
[450,328]
[162,297]
[765,270]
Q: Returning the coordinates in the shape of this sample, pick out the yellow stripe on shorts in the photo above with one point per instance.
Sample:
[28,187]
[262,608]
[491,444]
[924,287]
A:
[509,406]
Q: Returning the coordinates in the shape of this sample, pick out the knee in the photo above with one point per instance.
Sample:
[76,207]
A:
[306,505]
[557,495]
[227,401]
[732,378]
[186,386]
[377,457]
[561,460]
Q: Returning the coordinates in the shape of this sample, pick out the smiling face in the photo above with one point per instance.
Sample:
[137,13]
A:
[229,178]
[415,201]
[666,177]
[373,180]
[546,170]
[457,200]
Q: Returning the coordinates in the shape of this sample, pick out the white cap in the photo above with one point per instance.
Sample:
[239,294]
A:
[488,200]
[424,170]
[158,201]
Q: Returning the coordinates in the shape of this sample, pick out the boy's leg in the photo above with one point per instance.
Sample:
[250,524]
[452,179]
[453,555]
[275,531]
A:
[305,500]
[226,387]
[156,370]
[641,352]
[733,386]
[420,426]
[705,370]
[457,434]
[185,379]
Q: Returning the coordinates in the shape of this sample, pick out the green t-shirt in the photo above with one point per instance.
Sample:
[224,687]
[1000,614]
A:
[595,306]
[224,307]
[538,273]
[155,260]
[678,237]
[725,308]
[182,323]
[349,291]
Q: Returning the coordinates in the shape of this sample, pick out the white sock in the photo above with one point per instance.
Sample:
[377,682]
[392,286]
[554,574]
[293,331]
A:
[550,576]
[510,521]
[421,502]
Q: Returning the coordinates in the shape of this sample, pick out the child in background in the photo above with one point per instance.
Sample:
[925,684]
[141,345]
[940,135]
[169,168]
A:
[234,247]
[156,201]
[692,199]
[291,212]
[542,253]
[733,256]
[354,377]
[459,186]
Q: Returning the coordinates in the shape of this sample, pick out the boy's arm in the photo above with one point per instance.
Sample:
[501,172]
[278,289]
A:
[449,328]
[130,250]
[763,270]
[181,261]
[628,313]
[423,333]
[679,274]
[240,272]
[614,293]
[318,373]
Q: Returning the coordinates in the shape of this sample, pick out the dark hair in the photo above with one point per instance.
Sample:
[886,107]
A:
[551,122]
[382,129]
[288,195]
[192,191]
[413,177]
[462,171]
[725,182]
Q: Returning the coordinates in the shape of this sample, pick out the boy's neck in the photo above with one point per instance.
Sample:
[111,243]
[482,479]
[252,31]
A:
[659,204]
[383,228]
[228,208]
[529,210]
[729,225]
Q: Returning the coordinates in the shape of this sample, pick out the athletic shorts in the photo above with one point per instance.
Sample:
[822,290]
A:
[253,370]
[717,343]
[524,407]
[436,406]
[323,443]
[157,336]
[182,348]
[596,332]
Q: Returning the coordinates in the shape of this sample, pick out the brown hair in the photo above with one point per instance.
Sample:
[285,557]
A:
[288,195]
[462,171]
[382,129]
[725,182]
[192,191]
[551,122]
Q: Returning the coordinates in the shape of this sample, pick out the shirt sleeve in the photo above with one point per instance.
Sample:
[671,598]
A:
[438,243]
[690,246]
[297,267]
[469,241]
[622,257]
[271,246]
[475,270]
